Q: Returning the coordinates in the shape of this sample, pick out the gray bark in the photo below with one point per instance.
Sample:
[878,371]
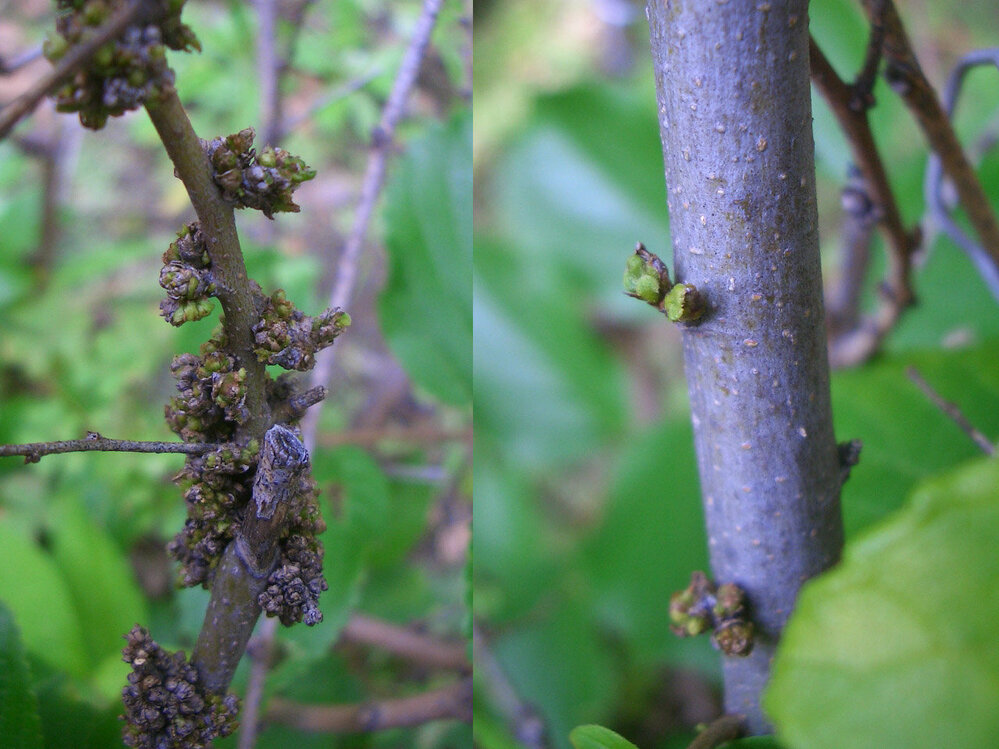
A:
[735,117]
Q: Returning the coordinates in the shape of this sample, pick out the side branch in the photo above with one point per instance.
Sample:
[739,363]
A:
[78,56]
[33,451]
[860,343]
[405,643]
[219,227]
[907,79]
[453,702]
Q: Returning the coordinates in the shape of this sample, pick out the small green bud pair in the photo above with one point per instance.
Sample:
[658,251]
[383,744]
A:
[647,278]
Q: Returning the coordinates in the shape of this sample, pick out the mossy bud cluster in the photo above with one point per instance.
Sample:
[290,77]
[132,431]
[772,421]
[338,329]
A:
[124,73]
[186,278]
[165,705]
[287,337]
[647,278]
[703,607]
[248,179]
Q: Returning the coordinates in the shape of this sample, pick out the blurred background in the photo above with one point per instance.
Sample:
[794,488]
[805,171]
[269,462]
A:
[84,220]
[587,509]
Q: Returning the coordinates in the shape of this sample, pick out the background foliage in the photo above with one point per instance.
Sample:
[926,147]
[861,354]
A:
[82,347]
[587,510]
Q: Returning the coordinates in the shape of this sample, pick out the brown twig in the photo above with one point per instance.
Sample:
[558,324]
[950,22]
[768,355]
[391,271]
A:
[374,178]
[906,78]
[405,643]
[268,72]
[420,434]
[33,451]
[24,104]
[219,227]
[951,410]
[453,702]
[718,731]
[865,338]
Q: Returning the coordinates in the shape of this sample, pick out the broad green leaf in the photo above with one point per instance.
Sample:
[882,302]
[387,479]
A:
[32,586]
[906,438]
[426,306]
[20,727]
[70,722]
[101,584]
[598,737]
[895,647]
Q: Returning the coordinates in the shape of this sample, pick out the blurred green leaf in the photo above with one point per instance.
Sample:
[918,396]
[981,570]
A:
[72,722]
[598,737]
[20,727]
[906,438]
[101,584]
[426,306]
[754,742]
[32,586]
[895,647]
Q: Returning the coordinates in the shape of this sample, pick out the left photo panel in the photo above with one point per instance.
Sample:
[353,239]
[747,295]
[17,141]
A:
[235,373]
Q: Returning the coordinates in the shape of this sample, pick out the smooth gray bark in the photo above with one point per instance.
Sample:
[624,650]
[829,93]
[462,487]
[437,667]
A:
[735,116]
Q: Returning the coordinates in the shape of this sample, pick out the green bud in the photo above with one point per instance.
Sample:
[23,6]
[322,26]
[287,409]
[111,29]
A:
[647,289]
[54,48]
[734,637]
[684,303]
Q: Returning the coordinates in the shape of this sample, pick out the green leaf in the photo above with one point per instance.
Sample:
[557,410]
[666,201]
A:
[754,742]
[19,723]
[598,737]
[426,306]
[895,647]
[906,438]
[103,589]
[32,586]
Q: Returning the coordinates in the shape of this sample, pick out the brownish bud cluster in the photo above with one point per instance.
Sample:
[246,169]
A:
[124,73]
[293,588]
[288,337]
[248,179]
[186,277]
[165,707]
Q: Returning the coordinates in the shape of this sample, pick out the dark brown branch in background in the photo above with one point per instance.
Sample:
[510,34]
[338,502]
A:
[76,57]
[856,345]
[906,78]
[717,732]
[33,451]
[418,435]
[453,702]
[268,72]
[403,642]
[952,411]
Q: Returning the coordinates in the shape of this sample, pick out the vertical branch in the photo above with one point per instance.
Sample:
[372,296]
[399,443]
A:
[219,227]
[735,120]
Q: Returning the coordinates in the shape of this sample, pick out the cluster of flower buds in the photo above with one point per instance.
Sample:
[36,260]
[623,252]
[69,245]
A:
[288,337]
[123,73]
[212,400]
[701,607]
[248,179]
[186,277]
[165,707]
[647,278]
[293,588]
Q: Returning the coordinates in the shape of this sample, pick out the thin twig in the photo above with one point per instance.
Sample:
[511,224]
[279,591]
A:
[33,451]
[524,720]
[17,62]
[333,96]
[268,72]
[374,178]
[453,702]
[934,183]
[906,78]
[863,86]
[403,642]
[422,434]
[24,104]
[261,652]
[951,410]
[865,339]
[718,731]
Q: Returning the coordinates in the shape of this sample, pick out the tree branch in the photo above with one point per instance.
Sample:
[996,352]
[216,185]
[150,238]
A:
[75,58]
[717,732]
[860,343]
[906,78]
[453,702]
[34,451]
[249,559]
[374,178]
[405,643]
[228,269]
